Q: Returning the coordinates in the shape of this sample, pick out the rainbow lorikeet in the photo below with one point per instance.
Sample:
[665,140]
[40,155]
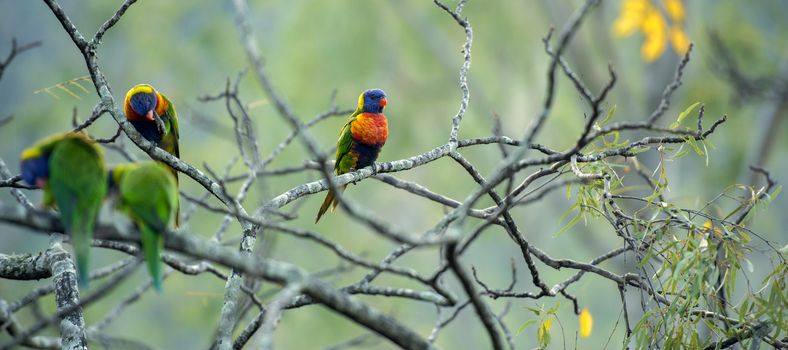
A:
[148,194]
[154,116]
[360,141]
[69,167]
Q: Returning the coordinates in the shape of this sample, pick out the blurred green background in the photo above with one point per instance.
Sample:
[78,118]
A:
[412,50]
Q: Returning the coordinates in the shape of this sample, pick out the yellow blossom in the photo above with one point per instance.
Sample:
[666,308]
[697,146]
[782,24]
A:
[586,323]
[654,29]
[544,329]
[679,40]
[646,17]
[707,227]
[675,10]
[631,16]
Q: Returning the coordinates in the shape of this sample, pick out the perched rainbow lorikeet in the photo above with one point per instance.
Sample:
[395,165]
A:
[148,194]
[360,141]
[154,116]
[69,167]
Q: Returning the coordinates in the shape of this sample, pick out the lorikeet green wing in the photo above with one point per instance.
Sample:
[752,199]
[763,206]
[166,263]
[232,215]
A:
[70,167]
[344,163]
[149,196]
[169,141]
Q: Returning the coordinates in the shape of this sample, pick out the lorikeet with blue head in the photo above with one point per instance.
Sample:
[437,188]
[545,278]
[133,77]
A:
[69,167]
[360,141]
[154,116]
[148,194]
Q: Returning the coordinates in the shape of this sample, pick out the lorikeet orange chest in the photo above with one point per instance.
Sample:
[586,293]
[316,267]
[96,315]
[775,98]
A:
[369,132]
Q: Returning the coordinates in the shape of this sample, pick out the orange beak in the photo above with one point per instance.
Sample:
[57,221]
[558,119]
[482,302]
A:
[149,115]
[383,102]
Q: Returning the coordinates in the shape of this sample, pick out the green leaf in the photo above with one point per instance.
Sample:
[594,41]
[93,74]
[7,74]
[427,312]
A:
[691,141]
[745,238]
[705,151]
[694,341]
[680,154]
[524,326]
[748,265]
[646,258]
[684,115]
[639,149]
[570,224]
[775,193]
[610,114]
[536,311]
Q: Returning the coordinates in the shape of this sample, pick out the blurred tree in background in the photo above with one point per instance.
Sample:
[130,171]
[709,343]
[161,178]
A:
[560,203]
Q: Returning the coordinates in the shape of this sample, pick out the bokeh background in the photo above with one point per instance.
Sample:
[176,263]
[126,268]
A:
[412,50]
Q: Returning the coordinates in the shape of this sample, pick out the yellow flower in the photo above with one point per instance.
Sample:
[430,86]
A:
[679,40]
[544,330]
[586,323]
[707,227]
[631,16]
[644,16]
[547,324]
[675,10]
[654,29]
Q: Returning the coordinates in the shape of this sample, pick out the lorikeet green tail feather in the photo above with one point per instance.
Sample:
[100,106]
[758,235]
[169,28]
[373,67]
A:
[329,201]
[361,139]
[154,116]
[152,247]
[69,167]
[148,194]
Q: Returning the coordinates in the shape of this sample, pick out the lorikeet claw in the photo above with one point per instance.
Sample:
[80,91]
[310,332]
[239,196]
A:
[354,181]
[159,123]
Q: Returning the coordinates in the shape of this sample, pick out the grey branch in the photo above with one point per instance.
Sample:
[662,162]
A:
[72,323]
[275,271]
[16,49]
[485,315]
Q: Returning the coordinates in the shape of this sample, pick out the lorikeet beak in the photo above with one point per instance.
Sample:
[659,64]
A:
[149,115]
[383,102]
[41,182]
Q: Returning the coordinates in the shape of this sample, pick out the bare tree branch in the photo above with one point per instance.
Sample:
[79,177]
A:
[16,50]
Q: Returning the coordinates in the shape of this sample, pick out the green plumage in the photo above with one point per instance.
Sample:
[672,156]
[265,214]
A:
[344,163]
[76,186]
[148,194]
[344,159]
[169,142]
